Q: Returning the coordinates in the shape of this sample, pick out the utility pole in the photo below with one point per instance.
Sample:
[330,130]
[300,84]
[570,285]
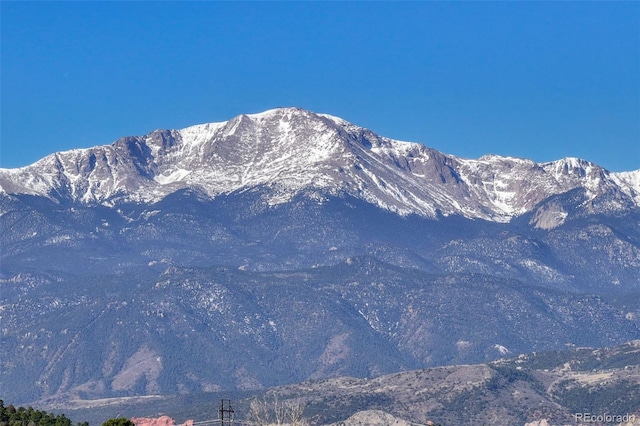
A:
[228,411]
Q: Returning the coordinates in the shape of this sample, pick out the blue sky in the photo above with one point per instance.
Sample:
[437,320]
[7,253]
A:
[540,80]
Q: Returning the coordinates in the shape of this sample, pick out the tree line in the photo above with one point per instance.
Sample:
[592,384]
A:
[12,416]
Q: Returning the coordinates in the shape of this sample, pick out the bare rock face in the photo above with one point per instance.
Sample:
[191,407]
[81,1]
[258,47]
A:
[373,418]
[146,365]
[542,422]
[549,217]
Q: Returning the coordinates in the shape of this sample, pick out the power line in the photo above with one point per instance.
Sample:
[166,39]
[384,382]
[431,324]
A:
[228,411]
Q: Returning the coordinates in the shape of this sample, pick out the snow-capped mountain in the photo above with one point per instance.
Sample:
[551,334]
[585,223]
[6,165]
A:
[291,150]
[284,246]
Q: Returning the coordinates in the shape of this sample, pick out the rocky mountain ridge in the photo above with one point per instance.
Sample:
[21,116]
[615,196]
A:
[292,150]
[556,387]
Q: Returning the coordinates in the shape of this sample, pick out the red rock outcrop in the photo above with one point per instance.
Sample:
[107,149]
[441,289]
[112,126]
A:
[160,421]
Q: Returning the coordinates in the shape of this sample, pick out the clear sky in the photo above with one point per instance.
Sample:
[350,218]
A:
[540,80]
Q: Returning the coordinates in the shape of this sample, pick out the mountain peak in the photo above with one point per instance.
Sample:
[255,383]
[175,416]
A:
[291,150]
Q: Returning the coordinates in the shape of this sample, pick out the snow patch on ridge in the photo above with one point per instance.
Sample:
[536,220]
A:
[171,177]
[629,183]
